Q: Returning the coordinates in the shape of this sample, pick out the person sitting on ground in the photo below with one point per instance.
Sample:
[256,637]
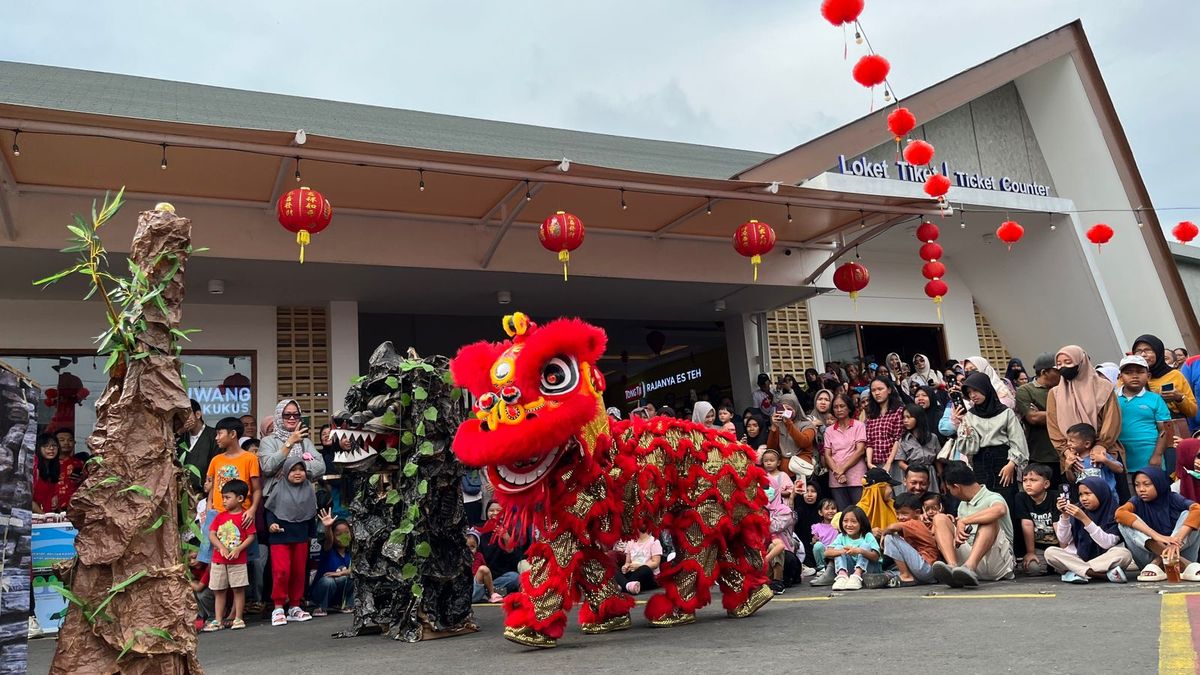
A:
[931,505]
[1144,416]
[823,534]
[909,542]
[331,590]
[1156,521]
[482,588]
[205,599]
[919,479]
[493,539]
[918,445]
[1085,458]
[1187,467]
[291,513]
[979,541]
[1089,539]
[1036,514]
[643,556]
[876,500]
[855,551]
[808,514]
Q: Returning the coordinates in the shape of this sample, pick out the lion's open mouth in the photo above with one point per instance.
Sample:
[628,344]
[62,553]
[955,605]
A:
[526,473]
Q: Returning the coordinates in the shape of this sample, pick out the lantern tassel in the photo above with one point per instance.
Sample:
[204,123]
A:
[845,44]
[756,260]
[564,257]
[303,239]
[938,303]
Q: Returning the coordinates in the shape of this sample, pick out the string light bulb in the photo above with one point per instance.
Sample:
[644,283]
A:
[789,213]
[1137,214]
[421,181]
[163,164]
[708,209]
[528,194]
[297,169]
[887,94]
[624,206]
[16,148]
[862,220]
[962,217]
[1050,219]
[858,38]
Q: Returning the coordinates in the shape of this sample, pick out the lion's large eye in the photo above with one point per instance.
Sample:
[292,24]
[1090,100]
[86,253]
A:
[559,376]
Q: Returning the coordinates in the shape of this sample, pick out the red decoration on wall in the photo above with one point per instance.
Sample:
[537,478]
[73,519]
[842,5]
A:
[851,278]
[871,70]
[305,212]
[937,186]
[1099,234]
[900,122]
[927,232]
[838,12]
[933,270]
[931,252]
[918,153]
[1010,232]
[754,240]
[562,233]
[1185,231]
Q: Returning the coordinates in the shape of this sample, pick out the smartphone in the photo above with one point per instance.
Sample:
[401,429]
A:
[787,414]
[956,398]
[1066,492]
[1169,386]
[306,422]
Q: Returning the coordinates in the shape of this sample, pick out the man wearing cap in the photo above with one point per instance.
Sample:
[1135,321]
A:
[1144,415]
[1031,407]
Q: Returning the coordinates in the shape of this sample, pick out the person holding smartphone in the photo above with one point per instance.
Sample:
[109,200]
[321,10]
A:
[1165,380]
[792,434]
[289,438]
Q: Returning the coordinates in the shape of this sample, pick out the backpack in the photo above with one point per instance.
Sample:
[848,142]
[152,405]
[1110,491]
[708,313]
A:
[472,483]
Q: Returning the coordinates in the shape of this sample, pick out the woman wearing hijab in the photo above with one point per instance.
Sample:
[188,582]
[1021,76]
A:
[704,413]
[1187,468]
[993,432]
[1165,380]
[1084,396]
[792,434]
[979,364]
[930,401]
[1013,372]
[756,431]
[288,440]
[1157,520]
[1089,539]
[1110,371]
[923,374]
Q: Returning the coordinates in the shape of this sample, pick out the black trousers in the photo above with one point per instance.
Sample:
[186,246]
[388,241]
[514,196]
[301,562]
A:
[987,464]
[643,575]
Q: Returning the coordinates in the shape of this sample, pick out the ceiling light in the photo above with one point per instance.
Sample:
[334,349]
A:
[504,297]
[216,286]
[565,165]
[719,306]
[301,137]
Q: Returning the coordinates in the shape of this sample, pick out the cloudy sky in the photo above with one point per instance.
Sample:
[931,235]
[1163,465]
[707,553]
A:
[764,75]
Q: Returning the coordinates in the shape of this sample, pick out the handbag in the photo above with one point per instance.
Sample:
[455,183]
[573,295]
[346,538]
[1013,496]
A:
[801,467]
[959,449]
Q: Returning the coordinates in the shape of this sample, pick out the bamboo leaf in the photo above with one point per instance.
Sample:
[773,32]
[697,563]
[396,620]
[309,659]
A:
[128,645]
[127,583]
[55,277]
[159,633]
[70,597]
[78,231]
[157,524]
[140,489]
[112,360]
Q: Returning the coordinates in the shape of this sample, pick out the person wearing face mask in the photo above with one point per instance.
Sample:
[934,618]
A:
[331,590]
[1084,396]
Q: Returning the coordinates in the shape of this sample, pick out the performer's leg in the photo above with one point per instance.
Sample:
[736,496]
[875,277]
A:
[742,577]
[605,608]
[536,615]
[685,581]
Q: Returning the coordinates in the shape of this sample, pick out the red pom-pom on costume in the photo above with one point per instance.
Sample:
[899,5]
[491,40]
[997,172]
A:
[937,186]
[1010,232]
[931,252]
[838,12]
[851,278]
[927,231]
[871,70]
[1185,231]
[918,153]
[1099,234]
[561,233]
[900,122]
[933,270]
[754,240]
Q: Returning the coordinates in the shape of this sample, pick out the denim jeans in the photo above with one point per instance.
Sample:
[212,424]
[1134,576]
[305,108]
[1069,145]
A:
[896,548]
[847,563]
[1136,543]
[332,592]
[509,582]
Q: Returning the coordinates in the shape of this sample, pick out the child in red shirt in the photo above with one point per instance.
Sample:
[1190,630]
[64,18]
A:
[230,537]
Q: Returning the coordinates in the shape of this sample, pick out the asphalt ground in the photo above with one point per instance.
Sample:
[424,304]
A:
[1029,626]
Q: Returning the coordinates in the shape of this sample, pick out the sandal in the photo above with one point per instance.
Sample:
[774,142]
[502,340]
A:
[238,624]
[1191,572]
[1152,573]
[319,611]
[212,626]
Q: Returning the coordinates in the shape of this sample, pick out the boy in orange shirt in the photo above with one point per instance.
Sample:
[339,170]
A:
[233,463]
[910,542]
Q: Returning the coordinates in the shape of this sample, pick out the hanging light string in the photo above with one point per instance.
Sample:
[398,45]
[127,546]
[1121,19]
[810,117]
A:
[888,90]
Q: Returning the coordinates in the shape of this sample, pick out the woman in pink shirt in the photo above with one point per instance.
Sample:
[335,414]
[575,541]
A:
[844,453]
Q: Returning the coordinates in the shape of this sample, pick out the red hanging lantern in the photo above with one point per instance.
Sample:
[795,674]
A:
[871,70]
[1185,231]
[1099,234]
[937,289]
[933,270]
[1010,232]
[931,252]
[305,212]
[851,278]
[937,186]
[900,122]
[561,233]
[918,153]
[754,240]
[927,232]
[838,12]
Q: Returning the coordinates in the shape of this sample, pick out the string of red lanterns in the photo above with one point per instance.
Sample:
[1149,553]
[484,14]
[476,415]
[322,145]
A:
[933,270]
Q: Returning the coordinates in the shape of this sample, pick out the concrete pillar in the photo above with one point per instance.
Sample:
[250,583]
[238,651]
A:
[745,362]
[343,349]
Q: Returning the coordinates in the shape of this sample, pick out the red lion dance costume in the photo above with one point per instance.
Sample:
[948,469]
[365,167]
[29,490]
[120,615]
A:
[557,463]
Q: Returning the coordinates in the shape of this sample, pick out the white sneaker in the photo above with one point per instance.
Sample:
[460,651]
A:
[807,571]
[854,583]
[35,628]
[841,583]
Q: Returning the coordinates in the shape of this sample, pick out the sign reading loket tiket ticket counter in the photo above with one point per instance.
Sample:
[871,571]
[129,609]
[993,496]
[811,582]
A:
[902,170]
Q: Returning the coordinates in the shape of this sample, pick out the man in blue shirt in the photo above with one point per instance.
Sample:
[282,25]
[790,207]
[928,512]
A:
[1143,417]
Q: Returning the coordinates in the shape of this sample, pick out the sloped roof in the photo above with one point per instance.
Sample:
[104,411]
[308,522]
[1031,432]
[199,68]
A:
[67,89]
